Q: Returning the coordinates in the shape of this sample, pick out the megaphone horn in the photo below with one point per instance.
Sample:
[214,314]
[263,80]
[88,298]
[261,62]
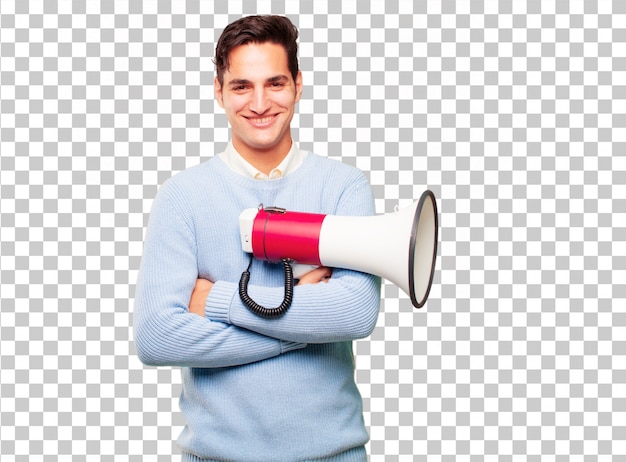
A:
[400,246]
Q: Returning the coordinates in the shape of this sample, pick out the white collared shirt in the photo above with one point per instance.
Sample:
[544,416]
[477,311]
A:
[237,163]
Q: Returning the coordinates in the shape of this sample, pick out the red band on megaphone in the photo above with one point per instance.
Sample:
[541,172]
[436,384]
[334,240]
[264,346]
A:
[282,234]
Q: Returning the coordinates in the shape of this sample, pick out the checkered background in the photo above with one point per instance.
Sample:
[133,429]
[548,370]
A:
[513,113]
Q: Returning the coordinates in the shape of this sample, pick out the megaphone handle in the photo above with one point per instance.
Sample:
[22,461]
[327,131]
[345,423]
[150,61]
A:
[260,310]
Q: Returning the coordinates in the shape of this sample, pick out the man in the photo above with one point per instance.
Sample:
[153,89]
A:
[256,389]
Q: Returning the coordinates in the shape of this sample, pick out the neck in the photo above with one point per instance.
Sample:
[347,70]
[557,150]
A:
[264,160]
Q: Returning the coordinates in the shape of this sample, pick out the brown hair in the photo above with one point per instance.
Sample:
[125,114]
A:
[257,29]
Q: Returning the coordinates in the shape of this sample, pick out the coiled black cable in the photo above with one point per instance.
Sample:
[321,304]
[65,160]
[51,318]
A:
[260,310]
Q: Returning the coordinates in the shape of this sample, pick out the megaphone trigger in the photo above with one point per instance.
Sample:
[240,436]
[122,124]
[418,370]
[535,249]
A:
[300,269]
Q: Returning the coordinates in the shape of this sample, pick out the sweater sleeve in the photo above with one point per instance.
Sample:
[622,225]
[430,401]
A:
[344,308]
[164,330]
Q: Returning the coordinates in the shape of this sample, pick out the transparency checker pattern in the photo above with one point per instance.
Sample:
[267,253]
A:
[513,113]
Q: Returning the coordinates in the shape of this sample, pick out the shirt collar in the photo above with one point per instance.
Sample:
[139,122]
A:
[237,163]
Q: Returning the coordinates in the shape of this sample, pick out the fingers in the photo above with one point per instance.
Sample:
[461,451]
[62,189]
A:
[321,274]
[199,295]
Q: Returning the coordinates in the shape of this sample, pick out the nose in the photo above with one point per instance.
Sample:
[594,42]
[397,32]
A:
[259,102]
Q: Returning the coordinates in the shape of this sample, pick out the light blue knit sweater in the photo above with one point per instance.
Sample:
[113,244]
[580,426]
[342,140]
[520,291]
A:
[255,389]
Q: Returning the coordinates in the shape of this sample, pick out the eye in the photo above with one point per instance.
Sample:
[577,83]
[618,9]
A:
[239,88]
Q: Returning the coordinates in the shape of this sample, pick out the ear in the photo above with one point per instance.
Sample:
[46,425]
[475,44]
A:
[299,86]
[218,92]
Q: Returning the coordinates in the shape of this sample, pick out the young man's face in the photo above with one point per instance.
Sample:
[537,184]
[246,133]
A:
[259,97]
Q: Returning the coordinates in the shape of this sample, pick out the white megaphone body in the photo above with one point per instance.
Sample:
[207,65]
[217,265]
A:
[400,246]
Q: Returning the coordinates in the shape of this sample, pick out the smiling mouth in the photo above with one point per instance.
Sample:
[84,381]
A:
[260,120]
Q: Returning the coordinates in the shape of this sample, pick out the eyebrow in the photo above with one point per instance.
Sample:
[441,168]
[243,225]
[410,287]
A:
[277,78]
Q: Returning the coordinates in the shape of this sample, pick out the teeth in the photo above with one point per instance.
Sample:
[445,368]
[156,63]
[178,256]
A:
[262,121]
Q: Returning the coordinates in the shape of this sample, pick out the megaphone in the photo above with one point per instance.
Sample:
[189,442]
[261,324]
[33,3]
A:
[400,246]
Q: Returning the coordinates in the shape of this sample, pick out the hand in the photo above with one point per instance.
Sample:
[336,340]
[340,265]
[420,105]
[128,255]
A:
[320,274]
[199,295]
